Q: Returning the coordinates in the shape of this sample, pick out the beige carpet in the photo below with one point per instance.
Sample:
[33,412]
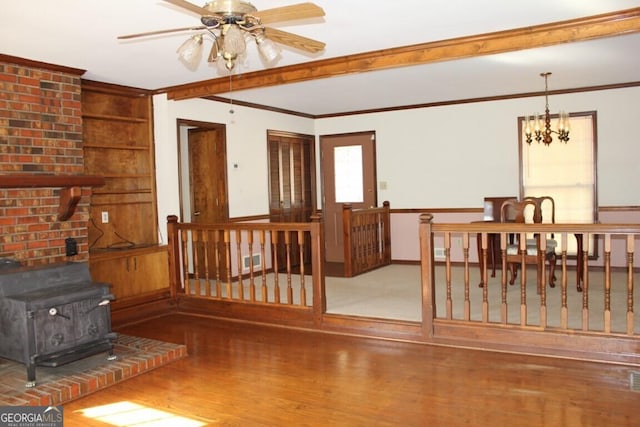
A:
[394,292]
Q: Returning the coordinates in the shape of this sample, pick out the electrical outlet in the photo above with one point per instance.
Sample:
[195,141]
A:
[105,217]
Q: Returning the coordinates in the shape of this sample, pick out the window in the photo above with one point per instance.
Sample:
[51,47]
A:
[566,172]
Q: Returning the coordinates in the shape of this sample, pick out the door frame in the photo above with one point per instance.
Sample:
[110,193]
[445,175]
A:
[183,125]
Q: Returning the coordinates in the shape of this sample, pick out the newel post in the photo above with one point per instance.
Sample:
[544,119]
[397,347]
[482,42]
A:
[386,221]
[427,274]
[347,211]
[317,261]
[174,254]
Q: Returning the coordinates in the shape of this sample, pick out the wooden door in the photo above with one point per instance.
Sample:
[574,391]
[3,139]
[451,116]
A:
[291,189]
[348,176]
[207,176]
[208,195]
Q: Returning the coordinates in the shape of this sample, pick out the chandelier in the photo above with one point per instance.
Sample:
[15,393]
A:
[539,127]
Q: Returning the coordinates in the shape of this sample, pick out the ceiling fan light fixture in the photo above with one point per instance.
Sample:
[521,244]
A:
[267,48]
[229,60]
[214,53]
[234,40]
[190,51]
[231,22]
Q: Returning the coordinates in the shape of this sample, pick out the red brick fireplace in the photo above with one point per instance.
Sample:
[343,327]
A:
[41,163]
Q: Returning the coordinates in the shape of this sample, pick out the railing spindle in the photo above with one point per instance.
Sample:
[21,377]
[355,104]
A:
[585,288]
[197,249]
[238,235]
[447,273]
[607,283]
[303,290]
[467,297]
[185,260]
[485,279]
[523,279]
[630,315]
[542,281]
[564,309]
[205,259]
[275,241]
[504,312]
[227,258]
[287,241]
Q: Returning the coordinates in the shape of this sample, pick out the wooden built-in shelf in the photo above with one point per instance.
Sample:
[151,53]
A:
[70,187]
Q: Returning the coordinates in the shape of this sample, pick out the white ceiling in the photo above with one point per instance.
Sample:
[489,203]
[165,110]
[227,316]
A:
[83,34]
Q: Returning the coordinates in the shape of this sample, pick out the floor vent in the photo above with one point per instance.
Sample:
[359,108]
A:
[634,381]
[246,261]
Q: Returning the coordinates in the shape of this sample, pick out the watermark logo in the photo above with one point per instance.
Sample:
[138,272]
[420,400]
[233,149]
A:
[31,416]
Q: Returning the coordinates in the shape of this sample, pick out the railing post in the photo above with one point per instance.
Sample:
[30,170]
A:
[386,221]
[427,274]
[347,212]
[317,273]
[174,254]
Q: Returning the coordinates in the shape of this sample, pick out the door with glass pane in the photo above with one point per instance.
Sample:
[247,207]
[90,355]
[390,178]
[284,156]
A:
[348,176]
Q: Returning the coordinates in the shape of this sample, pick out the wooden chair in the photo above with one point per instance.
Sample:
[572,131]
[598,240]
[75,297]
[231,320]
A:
[530,209]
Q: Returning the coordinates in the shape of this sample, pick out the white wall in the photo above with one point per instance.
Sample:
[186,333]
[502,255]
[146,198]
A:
[450,156]
[246,147]
[453,156]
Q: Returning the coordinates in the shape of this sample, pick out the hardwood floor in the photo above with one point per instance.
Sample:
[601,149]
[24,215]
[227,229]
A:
[252,375]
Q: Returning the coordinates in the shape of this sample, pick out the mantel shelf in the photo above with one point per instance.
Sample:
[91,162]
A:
[46,180]
[70,187]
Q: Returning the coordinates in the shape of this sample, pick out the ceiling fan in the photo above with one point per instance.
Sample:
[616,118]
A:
[230,22]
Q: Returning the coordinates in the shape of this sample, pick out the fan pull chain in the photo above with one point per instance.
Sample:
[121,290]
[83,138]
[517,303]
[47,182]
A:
[231,94]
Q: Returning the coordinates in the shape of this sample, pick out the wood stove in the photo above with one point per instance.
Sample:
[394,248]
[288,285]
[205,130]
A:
[52,315]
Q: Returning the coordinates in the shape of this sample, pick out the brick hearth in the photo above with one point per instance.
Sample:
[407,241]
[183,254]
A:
[56,386]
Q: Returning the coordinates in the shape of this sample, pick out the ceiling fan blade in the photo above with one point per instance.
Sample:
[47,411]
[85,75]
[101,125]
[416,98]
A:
[293,40]
[190,7]
[153,33]
[289,13]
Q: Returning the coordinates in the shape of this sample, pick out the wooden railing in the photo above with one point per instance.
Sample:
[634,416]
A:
[235,270]
[367,238]
[259,264]
[561,320]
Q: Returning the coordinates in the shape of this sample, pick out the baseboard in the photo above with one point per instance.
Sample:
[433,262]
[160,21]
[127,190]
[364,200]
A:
[140,312]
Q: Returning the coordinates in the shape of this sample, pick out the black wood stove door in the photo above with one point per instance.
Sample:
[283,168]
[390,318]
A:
[68,325]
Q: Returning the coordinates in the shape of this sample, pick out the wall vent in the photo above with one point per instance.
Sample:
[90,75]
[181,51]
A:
[246,261]
[634,381]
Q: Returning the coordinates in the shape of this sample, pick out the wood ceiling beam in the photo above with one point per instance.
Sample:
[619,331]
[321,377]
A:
[580,29]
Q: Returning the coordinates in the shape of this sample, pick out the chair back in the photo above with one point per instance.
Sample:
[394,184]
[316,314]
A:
[517,211]
[546,209]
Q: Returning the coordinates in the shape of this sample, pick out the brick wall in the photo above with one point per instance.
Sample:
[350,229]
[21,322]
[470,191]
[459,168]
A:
[40,133]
